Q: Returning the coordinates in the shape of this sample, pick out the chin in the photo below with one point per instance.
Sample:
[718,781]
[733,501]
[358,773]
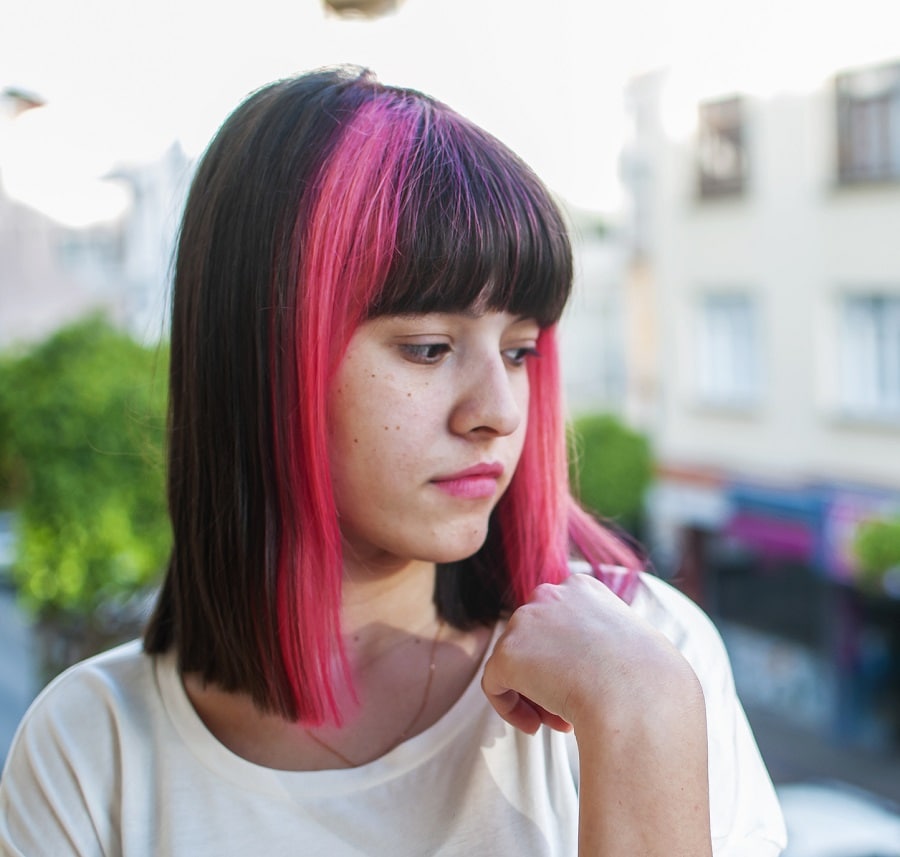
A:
[459,550]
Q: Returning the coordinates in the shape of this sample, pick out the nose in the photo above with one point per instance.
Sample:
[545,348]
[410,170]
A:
[492,401]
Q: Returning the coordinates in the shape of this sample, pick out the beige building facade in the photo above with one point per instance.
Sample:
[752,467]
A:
[763,302]
[768,239]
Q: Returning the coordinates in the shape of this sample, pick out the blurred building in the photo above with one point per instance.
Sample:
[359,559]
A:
[764,314]
[158,191]
[592,340]
[53,273]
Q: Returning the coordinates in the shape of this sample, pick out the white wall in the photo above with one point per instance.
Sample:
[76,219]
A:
[795,240]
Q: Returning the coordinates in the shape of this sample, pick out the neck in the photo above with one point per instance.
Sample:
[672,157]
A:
[382,606]
[408,671]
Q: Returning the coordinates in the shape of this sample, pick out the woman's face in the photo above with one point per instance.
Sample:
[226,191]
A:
[426,418]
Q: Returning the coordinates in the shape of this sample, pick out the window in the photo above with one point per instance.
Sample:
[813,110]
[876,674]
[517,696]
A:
[721,155]
[728,350]
[868,124]
[870,352]
[91,251]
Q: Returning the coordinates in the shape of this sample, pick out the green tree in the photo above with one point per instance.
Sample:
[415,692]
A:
[610,467]
[876,547]
[82,419]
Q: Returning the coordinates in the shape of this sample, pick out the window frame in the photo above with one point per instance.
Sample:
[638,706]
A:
[728,349]
[867,116]
[869,355]
[721,148]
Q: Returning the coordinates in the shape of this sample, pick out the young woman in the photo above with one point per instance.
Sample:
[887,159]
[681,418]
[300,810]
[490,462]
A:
[370,639]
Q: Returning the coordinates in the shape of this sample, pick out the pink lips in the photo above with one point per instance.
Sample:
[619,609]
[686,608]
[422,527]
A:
[473,483]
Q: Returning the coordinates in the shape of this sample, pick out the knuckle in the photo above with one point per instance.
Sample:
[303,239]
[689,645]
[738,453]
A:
[545,592]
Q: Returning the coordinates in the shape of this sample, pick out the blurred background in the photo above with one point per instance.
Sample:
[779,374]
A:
[731,172]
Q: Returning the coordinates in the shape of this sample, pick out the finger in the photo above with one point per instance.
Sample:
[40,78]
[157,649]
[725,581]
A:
[554,721]
[521,712]
[515,710]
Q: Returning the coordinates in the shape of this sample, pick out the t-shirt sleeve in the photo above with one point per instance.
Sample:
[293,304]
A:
[54,774]
[745,816]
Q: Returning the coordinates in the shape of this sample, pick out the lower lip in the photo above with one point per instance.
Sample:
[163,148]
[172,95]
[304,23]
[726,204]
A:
[469,487]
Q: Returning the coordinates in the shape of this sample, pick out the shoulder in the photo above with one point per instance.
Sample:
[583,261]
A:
[685,624]
[115,683]
[66,758]
[87,711]
[668,609]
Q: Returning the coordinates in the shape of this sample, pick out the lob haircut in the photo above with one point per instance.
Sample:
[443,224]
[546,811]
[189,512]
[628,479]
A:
[323,201]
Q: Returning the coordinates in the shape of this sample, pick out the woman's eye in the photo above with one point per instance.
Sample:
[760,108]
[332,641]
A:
[432,352]
[518,356]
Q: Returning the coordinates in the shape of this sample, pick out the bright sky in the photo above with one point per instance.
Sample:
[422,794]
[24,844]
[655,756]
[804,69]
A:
[123,78]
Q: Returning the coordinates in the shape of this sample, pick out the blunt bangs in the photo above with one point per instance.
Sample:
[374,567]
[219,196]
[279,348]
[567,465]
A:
[475,228]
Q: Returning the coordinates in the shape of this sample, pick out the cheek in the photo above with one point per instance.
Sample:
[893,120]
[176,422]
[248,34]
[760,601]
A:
[378,462]
[375,432]
[523,399]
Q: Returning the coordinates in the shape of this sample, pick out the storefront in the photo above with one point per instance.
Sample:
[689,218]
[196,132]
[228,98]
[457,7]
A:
[773,565]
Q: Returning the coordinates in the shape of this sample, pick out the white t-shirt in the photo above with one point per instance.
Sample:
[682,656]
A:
[112,759]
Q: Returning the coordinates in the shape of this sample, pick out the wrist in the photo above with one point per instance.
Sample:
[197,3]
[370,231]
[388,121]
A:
[659,695]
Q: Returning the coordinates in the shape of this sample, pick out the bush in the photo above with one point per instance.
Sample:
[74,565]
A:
[611,467]
[82,420]
[876,547]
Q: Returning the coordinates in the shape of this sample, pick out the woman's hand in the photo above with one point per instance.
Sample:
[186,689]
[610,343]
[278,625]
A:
[576,651]
[575,656]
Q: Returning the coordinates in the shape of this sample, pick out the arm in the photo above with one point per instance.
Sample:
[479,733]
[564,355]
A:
[644,782]
[746,819]
[635,705]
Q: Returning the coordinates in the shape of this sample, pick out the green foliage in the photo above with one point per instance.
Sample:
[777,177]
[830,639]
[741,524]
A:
[610,467]
[876,547]
[82,420]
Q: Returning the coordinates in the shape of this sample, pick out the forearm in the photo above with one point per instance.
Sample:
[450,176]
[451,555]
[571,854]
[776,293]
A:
[644,776]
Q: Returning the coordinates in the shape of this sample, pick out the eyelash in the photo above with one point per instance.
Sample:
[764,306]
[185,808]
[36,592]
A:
[432,353]
[428,354]
[520,355]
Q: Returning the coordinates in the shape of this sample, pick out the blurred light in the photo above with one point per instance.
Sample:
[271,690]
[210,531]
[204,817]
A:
[362,8]
[678,106]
